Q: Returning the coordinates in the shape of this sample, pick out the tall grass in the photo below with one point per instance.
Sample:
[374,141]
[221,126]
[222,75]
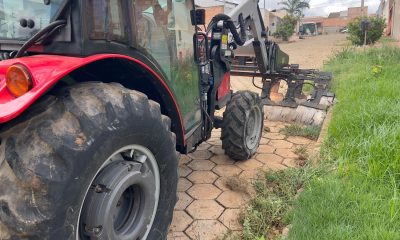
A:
[360,199]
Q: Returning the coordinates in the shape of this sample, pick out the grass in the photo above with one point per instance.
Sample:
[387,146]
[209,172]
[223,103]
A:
[302,152]
[360,199]
[353,193]
[310,132]
[385,40]
[271,208]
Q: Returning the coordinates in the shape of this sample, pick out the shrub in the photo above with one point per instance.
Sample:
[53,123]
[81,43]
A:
[286,29]
[374,33]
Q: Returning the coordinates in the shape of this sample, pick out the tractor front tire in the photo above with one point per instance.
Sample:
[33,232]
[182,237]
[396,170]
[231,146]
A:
[98,163]
[242,125]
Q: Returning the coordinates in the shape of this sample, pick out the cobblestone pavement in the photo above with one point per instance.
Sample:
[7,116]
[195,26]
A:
[208,207]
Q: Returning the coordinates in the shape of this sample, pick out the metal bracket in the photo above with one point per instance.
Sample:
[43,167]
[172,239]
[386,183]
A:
[295,78]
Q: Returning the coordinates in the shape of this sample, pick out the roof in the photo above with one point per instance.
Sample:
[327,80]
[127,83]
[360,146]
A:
[213,3]
[280,13]
[208,3]
[317,19]
[334,15]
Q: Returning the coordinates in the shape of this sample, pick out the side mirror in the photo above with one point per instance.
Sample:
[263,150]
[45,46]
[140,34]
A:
[198,17]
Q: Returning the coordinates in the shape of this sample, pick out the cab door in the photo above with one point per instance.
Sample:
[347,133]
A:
[162,30]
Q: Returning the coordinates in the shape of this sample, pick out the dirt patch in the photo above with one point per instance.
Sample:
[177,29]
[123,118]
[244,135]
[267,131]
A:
[313,51]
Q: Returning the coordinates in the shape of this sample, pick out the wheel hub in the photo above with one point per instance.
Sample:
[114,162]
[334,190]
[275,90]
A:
[253,128]
[122,200]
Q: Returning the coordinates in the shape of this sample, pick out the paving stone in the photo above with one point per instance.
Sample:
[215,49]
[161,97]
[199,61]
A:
[280,144]
[230,218]
[185,159]
[299,140]
[231,199]
[264,141]
[285,232]
[270,123]
[202,177]
[214,140]
[250,175]
[274,167]
[250,164]
[266,149]
[274,129]
[177,236]
[206,230]
[269,158]
[200,155]
[204,191]
[184,171]
[290,162]
[286,153]
[215,134]
[184,184]
[274,136]
[205,209]
[222,160]
[221,184]
[201,165]
[180,221]
[217,150]
[203,146]
[217,143]
[227,170]
[183,201]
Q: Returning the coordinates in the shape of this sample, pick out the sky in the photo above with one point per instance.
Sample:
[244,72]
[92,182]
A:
[324,7]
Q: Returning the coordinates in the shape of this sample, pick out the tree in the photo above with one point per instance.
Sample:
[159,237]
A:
[295,8]
[286,27]
[374,31]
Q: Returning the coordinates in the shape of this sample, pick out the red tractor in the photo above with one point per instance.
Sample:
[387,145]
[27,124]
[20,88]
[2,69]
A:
[97,100]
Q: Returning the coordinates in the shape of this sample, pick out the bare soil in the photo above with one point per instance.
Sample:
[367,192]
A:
[313,51]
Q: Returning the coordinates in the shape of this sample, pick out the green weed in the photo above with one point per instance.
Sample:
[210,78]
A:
[270,210]
[310,132]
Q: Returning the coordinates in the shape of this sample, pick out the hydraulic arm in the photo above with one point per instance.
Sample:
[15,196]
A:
[247,31]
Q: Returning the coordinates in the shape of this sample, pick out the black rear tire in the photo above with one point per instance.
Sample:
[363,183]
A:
[242,125]
[48,163]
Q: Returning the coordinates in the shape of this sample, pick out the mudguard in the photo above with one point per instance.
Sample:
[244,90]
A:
[47,70]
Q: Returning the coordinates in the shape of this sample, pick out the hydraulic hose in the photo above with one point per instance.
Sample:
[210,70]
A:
[38,35]
[239,39]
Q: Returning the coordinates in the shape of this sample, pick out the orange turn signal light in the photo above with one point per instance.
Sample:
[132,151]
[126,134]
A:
[18,80]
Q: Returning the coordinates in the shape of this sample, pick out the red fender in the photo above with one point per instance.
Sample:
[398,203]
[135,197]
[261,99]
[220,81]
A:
[47,70]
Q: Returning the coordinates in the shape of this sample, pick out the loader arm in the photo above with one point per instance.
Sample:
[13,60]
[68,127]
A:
[245,26]
[250,11]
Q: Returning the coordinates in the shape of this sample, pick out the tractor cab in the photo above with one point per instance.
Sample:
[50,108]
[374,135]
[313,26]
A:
[149,39]
[159,31]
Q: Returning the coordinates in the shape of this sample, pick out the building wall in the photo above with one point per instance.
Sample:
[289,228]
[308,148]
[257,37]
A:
[385,11]
[336,22]
[356,12]
[331,30]
[212,11]
[396,20]
[274,22]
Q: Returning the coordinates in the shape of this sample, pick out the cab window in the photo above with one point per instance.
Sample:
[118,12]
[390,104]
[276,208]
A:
[106,20]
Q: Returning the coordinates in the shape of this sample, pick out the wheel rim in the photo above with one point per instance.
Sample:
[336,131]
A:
[253,128]
[122,200]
